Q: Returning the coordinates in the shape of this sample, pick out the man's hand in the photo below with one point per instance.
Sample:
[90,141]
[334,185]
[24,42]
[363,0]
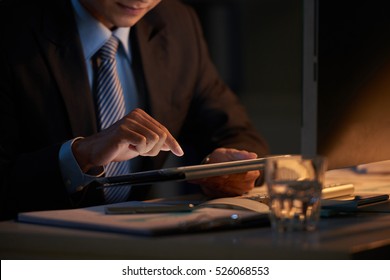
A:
[136,134]
[228,185]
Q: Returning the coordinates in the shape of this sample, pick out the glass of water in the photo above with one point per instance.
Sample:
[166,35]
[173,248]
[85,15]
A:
[294,187]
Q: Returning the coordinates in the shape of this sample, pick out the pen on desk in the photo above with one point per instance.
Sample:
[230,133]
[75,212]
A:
[149,209]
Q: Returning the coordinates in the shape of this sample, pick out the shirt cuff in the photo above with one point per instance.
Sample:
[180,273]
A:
[72,175]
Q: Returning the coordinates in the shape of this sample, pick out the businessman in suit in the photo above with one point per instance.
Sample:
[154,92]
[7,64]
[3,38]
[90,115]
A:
[51,142]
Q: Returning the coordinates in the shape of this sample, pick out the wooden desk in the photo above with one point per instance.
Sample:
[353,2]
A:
[365,236]
[361,236]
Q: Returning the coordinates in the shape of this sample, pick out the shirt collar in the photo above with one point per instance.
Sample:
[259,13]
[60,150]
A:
[94,34]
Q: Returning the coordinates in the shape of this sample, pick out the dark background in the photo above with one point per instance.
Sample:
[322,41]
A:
[257,48]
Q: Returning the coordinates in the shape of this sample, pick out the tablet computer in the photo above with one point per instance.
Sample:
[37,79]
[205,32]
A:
[183,173]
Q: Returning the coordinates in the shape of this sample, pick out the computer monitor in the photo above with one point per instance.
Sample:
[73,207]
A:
[346,81]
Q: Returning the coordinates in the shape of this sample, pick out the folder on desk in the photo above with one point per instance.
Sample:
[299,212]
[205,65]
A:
[148,224]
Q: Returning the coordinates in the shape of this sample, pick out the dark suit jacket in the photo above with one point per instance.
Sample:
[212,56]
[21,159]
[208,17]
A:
[45,98]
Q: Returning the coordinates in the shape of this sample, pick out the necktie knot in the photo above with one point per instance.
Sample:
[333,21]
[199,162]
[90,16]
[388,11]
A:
[108,51]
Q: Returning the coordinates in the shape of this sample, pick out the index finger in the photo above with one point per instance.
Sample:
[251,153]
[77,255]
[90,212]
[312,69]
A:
[170,143]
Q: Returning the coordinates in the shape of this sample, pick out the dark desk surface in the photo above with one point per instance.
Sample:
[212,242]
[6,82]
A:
[363,236]
[360,236]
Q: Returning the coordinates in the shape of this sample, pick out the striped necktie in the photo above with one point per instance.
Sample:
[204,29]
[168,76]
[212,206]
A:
[111,107]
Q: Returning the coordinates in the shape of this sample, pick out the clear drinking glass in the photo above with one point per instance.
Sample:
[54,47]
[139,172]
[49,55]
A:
[294,187]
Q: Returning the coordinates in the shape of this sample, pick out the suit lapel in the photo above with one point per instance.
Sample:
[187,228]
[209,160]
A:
[153,48]
[62,47]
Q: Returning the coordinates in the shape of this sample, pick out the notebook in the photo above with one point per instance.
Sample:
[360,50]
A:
[98,218]
[165,216]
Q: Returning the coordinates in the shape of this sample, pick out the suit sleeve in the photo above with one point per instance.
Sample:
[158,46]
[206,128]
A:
[30,177]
